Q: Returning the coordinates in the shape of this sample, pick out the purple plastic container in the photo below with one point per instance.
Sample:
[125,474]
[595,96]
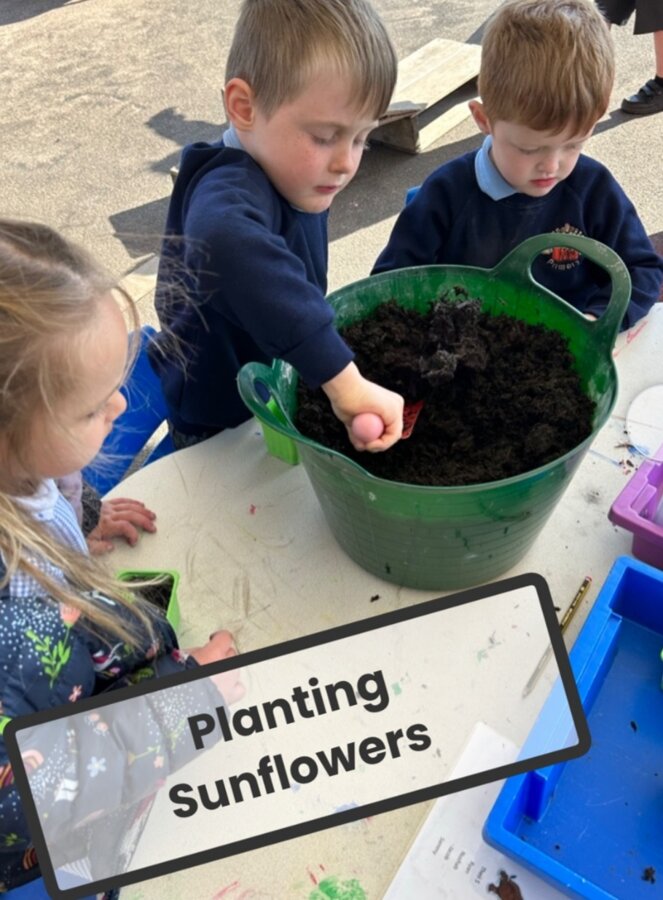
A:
[639,508]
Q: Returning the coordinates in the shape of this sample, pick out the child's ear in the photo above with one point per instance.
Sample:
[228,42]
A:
[480,118]
[239,102]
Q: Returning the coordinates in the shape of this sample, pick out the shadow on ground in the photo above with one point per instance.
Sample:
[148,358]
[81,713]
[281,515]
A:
[171,124]
[20,10]
[140,229]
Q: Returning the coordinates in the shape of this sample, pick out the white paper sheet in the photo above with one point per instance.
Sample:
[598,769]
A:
[448,858]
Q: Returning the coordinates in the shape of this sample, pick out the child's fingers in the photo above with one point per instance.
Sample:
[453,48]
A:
[388,438]
[98,547]
[123,501]
[357,444]
[135,518]
[124,506]
[223,643]
[117,528]
[230,690]
[229,685]
[122,528]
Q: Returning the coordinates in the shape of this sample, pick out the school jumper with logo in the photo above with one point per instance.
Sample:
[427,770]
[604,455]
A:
[466,214]
[242,278]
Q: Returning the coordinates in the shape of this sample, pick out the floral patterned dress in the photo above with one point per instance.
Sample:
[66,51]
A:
[49,658]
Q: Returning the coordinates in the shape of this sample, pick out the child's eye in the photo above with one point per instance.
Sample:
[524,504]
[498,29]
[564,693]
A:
[528,152]
[98,412]
[323,141]
[363,143]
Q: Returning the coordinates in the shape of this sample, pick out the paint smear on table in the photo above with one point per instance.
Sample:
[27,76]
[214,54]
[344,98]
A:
[334,889]
[313,877]
[631,335]
[235,891]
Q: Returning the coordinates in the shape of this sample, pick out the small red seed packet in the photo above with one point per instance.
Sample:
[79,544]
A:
[410,415]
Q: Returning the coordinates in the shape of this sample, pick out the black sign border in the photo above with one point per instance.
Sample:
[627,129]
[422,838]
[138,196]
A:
[244,660]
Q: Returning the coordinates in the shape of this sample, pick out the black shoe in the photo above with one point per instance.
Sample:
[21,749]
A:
[649,99]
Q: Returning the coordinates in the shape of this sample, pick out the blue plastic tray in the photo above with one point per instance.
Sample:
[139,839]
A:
[593,826]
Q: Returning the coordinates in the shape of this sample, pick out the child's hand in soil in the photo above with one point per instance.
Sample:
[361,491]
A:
[120,518]
[221,645]
[351,394]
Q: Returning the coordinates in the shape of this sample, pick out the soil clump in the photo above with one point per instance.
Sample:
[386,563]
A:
[500,397]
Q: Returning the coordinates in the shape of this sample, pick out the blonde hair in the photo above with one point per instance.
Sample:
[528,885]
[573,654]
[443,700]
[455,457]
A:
[50,290]
[279,45]
[547,64]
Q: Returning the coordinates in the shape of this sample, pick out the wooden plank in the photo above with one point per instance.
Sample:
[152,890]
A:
[443,123]
[436,70]
[401,110]
[410,137]
[421,60]
[433,85]
[401,134]
[426,77]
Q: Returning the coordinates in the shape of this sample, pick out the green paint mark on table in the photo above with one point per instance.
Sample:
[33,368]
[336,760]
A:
[333,889]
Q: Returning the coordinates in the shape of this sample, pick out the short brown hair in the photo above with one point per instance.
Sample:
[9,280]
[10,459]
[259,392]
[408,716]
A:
[279,45]
[547,64]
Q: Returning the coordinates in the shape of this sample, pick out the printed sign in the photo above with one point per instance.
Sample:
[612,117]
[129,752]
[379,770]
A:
[287,740]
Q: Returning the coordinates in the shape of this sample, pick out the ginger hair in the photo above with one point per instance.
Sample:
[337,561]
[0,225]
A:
[547,64]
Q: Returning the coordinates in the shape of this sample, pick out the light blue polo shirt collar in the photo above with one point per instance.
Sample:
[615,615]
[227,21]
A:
[488,178]
[231,139]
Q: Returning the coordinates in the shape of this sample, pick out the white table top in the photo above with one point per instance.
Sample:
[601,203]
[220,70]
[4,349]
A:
[255,555]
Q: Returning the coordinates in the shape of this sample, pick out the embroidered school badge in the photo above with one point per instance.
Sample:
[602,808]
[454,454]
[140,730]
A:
[561,258]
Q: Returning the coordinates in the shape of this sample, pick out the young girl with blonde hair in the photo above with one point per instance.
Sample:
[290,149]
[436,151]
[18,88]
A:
[67,628]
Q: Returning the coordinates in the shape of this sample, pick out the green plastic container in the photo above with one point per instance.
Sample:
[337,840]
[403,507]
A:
[163,594]
[444,538]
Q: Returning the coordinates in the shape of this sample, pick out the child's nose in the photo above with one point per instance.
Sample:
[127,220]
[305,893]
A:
[343,159]
[116,405]
[550,163]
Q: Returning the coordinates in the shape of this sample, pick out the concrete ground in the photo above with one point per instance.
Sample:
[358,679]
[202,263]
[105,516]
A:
[101,95]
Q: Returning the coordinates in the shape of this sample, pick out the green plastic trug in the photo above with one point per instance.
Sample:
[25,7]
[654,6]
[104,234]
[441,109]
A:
[448,538]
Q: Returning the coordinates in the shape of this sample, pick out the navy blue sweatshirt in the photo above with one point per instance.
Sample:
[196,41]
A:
[451,220]
[242,278]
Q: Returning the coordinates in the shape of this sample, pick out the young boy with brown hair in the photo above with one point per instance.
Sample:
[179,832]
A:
[547,70]
[243,272]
